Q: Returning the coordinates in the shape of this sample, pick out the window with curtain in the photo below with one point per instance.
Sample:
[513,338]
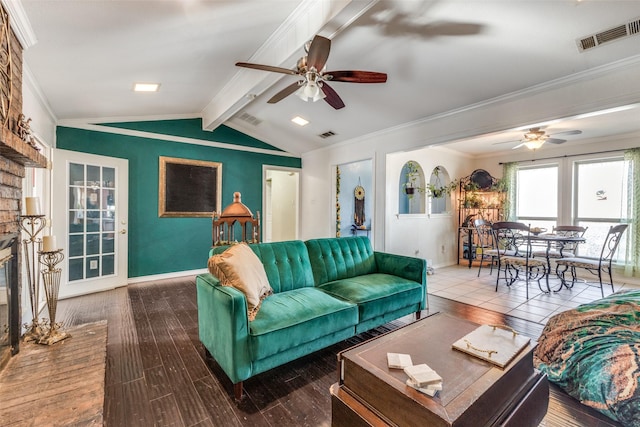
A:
[537,195]
[596,193]
[601,192]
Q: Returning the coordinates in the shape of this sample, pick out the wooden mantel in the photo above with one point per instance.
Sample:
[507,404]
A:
[14,148]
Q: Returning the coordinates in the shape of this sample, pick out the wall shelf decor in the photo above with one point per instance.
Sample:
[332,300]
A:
[481,197]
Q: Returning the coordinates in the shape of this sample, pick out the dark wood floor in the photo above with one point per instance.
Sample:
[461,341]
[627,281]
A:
[157,374]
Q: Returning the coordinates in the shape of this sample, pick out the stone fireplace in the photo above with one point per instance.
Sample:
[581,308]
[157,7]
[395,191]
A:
[15,156]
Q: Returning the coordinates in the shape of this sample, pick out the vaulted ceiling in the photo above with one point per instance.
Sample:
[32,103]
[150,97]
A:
[440,56]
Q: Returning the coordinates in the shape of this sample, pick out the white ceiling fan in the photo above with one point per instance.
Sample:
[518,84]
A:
[535,137]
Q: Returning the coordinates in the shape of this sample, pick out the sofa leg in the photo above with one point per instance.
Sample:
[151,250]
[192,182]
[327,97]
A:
[418,314]
[237,391]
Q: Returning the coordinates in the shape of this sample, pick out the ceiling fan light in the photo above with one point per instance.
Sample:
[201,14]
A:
[319,95]
[534,144]
[311,90]
[300,93]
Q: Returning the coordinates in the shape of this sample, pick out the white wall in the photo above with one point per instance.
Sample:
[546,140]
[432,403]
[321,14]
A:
[432,237]
[605,87]
[43,123]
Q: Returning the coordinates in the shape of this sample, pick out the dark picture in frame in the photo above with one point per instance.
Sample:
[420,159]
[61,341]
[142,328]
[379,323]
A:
[189,188]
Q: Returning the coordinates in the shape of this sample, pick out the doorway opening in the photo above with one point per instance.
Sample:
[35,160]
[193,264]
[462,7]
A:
[281,205]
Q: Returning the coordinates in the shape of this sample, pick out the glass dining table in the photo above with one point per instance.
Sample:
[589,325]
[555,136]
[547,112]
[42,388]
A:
[550,242]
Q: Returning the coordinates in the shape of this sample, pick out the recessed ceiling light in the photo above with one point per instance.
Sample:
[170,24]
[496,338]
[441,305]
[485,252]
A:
[146,87]
[299,121]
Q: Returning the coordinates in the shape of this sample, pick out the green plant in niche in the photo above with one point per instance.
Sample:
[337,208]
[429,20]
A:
[437,189]
[412,173]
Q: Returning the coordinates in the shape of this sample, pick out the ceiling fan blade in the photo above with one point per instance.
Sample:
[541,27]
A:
[266,68]
[518,146]
[332,97]
[284,93]
[555,140]
[353,76]
[506,142]
[318,52]
[567,132]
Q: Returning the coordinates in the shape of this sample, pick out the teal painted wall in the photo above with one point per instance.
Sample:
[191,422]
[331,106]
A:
[166,245]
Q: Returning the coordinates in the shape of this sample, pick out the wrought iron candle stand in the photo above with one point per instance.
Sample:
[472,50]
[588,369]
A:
[51,277]
[32,225]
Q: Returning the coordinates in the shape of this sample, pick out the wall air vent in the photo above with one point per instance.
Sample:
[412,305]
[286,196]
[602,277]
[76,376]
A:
[327,134]
[252,120]
[619,32]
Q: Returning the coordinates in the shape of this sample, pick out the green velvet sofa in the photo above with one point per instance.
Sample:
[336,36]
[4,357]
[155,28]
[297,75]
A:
[325,291]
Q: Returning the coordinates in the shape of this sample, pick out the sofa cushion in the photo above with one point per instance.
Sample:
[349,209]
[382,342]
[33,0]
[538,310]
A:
[376,293]
[286,263]
[292,318]
[336,259]
[239,267]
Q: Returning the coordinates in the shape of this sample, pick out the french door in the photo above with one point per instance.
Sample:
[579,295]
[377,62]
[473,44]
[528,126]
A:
[90,208]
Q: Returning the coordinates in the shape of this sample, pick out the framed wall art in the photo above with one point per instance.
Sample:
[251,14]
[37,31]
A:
[189,188]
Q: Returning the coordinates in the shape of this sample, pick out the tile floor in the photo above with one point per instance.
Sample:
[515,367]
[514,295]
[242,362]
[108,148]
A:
[461,284]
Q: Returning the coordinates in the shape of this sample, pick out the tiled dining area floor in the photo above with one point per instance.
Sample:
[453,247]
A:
[460,283]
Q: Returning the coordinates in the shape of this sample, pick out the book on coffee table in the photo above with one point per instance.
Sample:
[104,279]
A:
[495,344]
[398,360]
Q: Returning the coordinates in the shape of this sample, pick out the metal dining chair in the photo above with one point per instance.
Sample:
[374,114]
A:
[486,249]
[514,254]
[563,249]
[596,266]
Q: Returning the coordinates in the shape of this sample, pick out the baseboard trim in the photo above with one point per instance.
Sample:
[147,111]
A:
[173,275]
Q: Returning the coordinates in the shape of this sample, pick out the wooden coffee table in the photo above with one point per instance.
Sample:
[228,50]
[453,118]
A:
[475,392]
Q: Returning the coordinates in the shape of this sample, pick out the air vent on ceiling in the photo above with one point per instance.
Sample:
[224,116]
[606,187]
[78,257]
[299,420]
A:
[621,31]
[252,120]
[327,134]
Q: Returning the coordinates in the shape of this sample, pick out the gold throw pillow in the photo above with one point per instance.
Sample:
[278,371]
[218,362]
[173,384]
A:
[241,268]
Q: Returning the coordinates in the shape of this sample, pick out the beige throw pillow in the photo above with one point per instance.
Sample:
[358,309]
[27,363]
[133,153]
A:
[239,267]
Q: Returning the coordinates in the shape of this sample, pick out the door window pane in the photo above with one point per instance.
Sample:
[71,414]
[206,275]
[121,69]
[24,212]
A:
[76,174]
[92,213]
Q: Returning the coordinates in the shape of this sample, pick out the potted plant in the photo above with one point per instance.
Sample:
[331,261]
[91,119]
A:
[412,174]
[472,200]
[437,189]
[500,185]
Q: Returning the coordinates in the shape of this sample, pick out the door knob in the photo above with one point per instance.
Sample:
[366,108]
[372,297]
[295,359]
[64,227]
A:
[123,231]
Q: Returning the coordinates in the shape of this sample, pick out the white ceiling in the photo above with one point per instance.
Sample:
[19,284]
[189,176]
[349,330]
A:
[439,56]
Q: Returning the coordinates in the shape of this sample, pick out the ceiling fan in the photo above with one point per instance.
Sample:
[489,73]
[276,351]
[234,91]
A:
[313,82]
[535,137]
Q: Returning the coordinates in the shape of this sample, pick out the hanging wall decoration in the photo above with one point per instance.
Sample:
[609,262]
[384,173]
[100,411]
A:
[359,215]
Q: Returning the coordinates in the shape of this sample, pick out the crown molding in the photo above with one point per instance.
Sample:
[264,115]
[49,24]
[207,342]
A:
[591,74]
[20,23]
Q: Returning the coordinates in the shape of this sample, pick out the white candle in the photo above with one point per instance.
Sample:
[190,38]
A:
[49,244]
[32,205]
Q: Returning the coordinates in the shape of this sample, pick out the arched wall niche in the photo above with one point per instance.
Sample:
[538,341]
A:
[411,197]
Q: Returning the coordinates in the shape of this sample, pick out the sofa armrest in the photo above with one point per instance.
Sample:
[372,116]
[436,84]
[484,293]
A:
[407,267]
[223,326]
